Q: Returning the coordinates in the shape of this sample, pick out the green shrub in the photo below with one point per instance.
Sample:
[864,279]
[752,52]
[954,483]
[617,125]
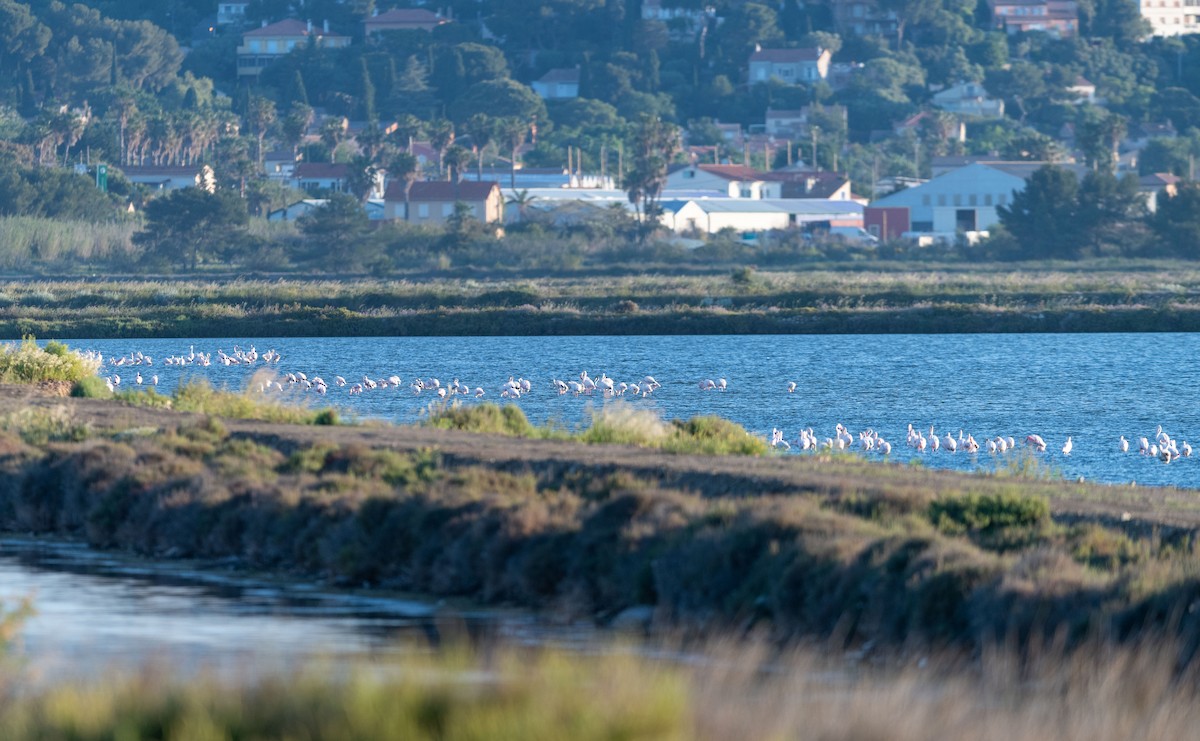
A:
[28,363]
[92,387]
[487,418]
[712,435]
[987,513]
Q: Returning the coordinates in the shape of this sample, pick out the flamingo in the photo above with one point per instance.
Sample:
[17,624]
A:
[951,443]
[1124,445]
[721,384]
[1066,449]
[791,387]
[1186,449]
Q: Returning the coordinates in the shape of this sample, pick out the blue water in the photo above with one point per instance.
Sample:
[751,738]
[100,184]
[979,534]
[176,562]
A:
[1093,387]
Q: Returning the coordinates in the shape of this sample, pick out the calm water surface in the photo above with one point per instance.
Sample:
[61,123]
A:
[1093,387]
[96,611]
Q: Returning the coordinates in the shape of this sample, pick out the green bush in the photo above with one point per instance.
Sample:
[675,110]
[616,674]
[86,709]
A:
[712,435]
[92,387]
[487,418]
[987,513]
[28,363]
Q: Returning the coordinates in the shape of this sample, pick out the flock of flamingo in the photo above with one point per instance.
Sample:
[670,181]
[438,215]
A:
[1160,446]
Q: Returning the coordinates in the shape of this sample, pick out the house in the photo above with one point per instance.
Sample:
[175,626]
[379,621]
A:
[710,216]
[886,222]
[1150,186]
[171,178]
[795,124]
[793,66]
[402,19]
[918,121]
[279,164]
[1058,18]
[314,177]
[963,200]
[230,13]
[433,202]
[299,209]
[1140,134]
[558,84]
[864,18]
[1171,17]
[262,46]
[682,23]
[1084,92]
[815,184]
[968,99]
[731,181]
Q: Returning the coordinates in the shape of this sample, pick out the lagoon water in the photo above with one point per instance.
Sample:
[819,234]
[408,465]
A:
[1093,387]
[95,612]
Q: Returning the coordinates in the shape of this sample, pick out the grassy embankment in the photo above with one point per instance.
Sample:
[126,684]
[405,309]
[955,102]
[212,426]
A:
[908,297]
[849,551]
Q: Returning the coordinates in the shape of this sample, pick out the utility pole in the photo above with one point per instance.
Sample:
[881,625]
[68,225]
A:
[814,130]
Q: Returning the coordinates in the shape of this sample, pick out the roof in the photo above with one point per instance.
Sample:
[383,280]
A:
[442,190]
[321,170]
[740,173]
[561,75]
[286,27]
[807,206]
[132,171]
[1159,179]
[785,56]
[797,113]
[810,184]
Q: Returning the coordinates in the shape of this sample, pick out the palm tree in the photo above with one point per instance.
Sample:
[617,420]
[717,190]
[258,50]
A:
[481,128]
[513,131]
[522,200]
[405,167]
[455,157]
[441,136]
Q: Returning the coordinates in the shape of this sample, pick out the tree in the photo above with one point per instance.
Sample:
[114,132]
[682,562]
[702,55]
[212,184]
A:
[655,144]
[522,199]
[362,177]
[1042,216]
[1098,133]
[1176,223]
[260,114]
[190,222]
[499,99]
[441,136]
[512,131]
[405,168]
[295,123]
[481,129]
[339,219]
[1108,212]
[456,158]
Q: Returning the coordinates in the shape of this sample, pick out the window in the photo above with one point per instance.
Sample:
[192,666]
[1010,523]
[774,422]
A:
[925,200]
[447,209]
[941,199]
[745,192]
[958,199]
[1002,199]
[423,210]
[972,200]
[987,199]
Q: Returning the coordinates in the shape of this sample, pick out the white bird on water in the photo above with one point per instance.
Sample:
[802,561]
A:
[1067,446]
[1124,445]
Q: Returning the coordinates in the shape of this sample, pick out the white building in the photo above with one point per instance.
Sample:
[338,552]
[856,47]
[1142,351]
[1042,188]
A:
[710,216]
[733,181]
[558,84]
[373,207]
[968,99]
[1171,17]
[793,66]
[171,177]
[228,13]
[963,200]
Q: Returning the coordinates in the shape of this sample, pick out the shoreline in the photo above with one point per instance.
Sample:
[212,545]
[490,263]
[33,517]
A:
[710,543]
